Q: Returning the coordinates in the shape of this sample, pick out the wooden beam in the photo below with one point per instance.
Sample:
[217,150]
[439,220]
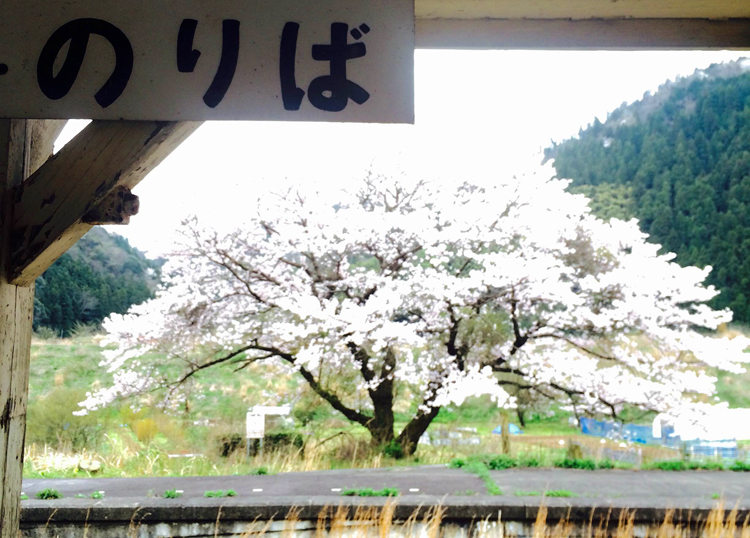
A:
[582,9]
[602,34]
[24,146]
[48,208]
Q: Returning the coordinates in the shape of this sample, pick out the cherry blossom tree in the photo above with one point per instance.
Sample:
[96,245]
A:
[427,293]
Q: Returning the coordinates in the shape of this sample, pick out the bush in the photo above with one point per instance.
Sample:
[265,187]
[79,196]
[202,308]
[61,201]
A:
[394,450]
[51,421]
[274,441]
[84,330]
[605,464]
[228,444]
[260,471]
[457,463]
[740,466]
[670,465]
[500,462]
[576,463]
[45,333]
[145,430]
[529,461]
[48,493]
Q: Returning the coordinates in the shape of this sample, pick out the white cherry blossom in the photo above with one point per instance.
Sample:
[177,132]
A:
[432,290]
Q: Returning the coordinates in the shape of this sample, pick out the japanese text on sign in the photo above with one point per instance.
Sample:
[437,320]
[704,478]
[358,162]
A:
[333,60]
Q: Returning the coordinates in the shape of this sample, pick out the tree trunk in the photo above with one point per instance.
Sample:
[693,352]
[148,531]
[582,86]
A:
[381,424]
[24,146]
[409,437]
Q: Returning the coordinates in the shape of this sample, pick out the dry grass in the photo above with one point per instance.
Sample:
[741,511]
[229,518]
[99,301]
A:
[124,459]
[430,522]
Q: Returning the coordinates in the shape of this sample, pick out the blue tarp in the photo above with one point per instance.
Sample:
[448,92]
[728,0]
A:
[643,434]
[614,430]
[512,428]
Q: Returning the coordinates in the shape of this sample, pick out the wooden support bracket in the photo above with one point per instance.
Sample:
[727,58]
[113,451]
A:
[83,185]
[117,208]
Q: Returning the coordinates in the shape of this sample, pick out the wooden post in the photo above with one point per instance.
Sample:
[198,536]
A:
[505,434]
[24,146]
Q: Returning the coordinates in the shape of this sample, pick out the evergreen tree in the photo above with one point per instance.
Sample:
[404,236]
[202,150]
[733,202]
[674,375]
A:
[679,161]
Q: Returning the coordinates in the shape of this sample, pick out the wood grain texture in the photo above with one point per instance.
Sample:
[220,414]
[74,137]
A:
[24,146]
[49,205]
[626,34]
[581,9]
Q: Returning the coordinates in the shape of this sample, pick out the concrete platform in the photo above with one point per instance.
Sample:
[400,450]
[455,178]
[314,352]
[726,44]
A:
[599,498]
[687,488]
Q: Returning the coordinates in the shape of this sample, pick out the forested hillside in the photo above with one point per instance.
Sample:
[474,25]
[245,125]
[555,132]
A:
[99,275]
[679,161]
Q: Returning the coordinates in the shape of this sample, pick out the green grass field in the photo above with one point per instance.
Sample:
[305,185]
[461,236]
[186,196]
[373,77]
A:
[191,439]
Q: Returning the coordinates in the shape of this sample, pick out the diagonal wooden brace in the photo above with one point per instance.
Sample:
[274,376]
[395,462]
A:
[58,204]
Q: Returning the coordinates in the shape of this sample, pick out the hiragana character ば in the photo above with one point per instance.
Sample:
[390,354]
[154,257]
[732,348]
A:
[328,92]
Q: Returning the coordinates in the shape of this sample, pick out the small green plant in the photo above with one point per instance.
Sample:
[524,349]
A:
[172,494]
[260,471]
[576,463]
[79,496]
[559,493]
[740,466]
[457,463]
[48,493]
[527,494]
[24,497]
[369,492]
[97,495]
[716,496]
[605,464]
[221,493]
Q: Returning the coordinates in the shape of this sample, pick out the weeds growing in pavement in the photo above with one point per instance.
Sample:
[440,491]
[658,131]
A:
[559,493]
[369,492]
[48,493]
[172,494]
[221,493]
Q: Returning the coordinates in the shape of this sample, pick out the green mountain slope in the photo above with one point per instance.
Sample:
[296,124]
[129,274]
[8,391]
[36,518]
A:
[99,275]
[679,161]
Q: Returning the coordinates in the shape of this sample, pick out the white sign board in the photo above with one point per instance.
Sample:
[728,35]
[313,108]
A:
[322,60]
[255,426]
[280,410]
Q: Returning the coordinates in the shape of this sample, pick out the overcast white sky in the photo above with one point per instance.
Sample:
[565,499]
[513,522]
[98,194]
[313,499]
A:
[477,113]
